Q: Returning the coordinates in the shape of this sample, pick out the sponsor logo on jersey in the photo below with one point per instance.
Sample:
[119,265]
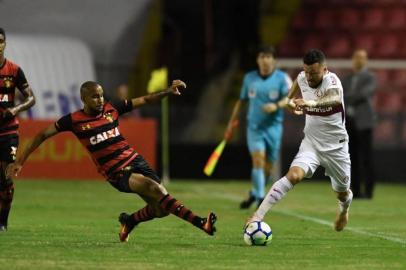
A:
[8,82]
[108,117]
[273,94]
[4,98]
[86,127]
[319,110]
[252,93]
[104,136]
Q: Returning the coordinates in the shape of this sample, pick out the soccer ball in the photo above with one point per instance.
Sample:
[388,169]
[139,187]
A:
[257,233]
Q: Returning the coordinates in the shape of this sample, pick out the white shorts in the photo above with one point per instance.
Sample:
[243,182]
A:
[336,162]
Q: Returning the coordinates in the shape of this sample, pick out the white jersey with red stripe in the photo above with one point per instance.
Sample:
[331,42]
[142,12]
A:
[325,126]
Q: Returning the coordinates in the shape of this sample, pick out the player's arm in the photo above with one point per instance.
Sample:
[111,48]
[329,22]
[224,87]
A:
[332,97]
[26,91]
[14,168]
[288,102]
[233,122]
[157,96]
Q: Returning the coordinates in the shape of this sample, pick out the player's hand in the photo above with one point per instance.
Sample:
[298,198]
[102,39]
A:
[229,130]
[7,114]
[270,107]
[13,170]
[176,84]
[291,106]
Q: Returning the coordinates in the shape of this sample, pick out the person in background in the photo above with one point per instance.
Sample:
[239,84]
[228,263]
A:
[359,88]
[265,90]
[11,78]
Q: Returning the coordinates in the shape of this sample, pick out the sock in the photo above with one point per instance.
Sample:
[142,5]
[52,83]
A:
[345,204]
[175,207]
[258,180]
[144,214]
[6,198]
[275,194]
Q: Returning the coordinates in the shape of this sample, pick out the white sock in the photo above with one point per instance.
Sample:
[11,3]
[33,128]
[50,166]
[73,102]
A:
[275,194]
[345,204]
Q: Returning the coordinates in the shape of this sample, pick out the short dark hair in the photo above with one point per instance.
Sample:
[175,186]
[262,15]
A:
[314,56]
[267,49]
[86,86]
[2,32]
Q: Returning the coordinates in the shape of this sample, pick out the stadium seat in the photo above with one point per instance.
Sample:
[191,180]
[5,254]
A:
[373,18]
[348,18]
[388,102]
[398,78]
[382,76]
[366,42]
[313,42]
[302,20]
[387,46]
[325,19]
[395,18]
[385,131]
[289,47]
[338,47]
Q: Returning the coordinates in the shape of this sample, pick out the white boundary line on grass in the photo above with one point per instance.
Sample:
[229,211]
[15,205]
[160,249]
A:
[315,220]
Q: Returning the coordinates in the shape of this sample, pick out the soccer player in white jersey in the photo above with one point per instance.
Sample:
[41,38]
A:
[325,142]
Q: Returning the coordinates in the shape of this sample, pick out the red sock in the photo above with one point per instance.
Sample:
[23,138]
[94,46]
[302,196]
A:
[144,214]
[175,207]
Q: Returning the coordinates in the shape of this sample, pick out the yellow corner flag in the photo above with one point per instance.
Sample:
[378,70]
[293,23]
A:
[158,80]
[214,157]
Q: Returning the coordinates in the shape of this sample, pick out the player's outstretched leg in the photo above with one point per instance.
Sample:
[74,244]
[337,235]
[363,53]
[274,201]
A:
[344,202]
[173,206]
[129,221]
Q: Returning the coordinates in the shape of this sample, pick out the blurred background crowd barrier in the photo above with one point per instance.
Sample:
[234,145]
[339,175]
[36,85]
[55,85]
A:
[209,44]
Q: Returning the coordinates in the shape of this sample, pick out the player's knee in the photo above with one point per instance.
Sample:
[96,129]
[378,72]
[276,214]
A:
[258,161]
[342,196]
[156,190]
[294,176]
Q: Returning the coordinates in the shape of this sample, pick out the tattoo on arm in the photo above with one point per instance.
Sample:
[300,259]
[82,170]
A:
[28,102]
[332,97]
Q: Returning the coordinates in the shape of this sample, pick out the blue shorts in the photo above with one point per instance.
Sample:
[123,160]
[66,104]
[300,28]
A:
[267,140]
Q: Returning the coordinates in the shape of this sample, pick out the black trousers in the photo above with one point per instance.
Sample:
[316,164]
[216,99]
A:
[360,147]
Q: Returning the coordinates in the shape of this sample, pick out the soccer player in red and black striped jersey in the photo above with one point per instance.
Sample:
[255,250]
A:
[11,77]
[97,128]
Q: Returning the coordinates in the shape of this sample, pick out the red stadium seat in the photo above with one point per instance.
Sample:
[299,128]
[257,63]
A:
[325,19]
[388,102]
[395,18]
[382,76]
[289,47]
[302,20]
[313,42]
[387,46]
[339,47]
[398,78]
[366,42]
[385,132]
[373,18]
[348,18]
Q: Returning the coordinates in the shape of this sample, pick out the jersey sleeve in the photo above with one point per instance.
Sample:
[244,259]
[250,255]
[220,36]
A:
[286,85]
[64,123]
[21,81]
[123,106]
[244,89]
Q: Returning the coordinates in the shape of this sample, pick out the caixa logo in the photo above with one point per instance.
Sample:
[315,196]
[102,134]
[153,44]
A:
[104,136]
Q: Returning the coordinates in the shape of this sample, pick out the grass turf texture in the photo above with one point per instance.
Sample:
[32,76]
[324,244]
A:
[73,225]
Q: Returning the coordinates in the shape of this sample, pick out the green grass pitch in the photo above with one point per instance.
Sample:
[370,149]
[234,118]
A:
[73,225]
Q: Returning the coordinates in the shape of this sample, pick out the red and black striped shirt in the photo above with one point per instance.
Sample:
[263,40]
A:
[101,136]
[11,77]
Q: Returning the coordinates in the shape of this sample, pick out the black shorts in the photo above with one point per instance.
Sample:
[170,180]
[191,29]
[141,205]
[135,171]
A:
[8,149]
[120,180]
